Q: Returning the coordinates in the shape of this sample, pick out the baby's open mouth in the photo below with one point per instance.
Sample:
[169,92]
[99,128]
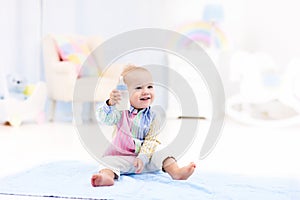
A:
[145,98]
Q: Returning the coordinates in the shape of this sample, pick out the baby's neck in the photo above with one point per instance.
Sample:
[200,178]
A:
[139,109]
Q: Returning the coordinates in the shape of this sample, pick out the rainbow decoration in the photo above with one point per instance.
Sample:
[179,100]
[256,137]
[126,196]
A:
[207,34]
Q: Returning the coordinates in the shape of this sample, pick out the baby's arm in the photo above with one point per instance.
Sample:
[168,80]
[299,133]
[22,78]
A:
[150,144]
[107,113]
[139,165]
[114,97]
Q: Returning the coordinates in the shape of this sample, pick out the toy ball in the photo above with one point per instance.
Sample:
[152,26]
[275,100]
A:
[29,90]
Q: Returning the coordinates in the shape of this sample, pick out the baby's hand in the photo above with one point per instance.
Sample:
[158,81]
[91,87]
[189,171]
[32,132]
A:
[114,97]
[139,165]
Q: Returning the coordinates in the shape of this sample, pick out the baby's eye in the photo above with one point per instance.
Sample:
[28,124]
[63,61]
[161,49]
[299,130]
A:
[150,86]
[138,88]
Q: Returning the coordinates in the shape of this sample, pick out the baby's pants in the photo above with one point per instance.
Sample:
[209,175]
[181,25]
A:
[125,164]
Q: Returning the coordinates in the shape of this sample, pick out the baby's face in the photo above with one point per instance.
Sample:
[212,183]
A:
[140,87]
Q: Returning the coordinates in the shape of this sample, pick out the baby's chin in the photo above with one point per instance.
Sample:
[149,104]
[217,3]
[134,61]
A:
[142,106]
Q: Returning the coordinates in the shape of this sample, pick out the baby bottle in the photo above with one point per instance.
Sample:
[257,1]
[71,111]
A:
[123,104]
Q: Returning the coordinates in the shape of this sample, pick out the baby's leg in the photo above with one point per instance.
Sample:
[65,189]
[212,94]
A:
[115,165]
[104,178]
[178,173]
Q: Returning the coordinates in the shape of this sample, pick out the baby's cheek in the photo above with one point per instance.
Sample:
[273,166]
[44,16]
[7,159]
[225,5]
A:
[131,95]
[152,97]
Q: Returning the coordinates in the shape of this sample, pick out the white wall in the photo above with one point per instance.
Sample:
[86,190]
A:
[112,17]
[251,25]
[267,25]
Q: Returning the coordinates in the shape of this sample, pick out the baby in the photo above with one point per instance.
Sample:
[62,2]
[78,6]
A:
[135,139]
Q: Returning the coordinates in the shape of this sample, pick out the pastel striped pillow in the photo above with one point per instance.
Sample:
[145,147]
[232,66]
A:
[75,49]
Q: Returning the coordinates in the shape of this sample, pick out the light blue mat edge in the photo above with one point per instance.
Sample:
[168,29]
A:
[71,179]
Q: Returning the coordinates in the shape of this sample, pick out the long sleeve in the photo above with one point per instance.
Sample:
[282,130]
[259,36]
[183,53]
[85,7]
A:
[150,143]
[108,115]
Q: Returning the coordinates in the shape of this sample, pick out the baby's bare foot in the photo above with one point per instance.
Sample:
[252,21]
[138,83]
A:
[184,173]
[101,179]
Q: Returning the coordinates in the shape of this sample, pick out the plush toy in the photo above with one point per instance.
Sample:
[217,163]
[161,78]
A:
[21,102]
[16,85]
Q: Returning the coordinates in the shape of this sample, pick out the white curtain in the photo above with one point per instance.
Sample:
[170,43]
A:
[20,48]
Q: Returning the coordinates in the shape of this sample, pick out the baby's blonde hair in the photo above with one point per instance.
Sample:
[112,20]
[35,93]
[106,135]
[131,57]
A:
[130,67]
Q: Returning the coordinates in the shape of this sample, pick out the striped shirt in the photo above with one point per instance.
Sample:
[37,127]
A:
[135,133]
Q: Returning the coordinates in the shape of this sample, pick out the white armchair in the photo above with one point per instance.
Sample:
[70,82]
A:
[61,77]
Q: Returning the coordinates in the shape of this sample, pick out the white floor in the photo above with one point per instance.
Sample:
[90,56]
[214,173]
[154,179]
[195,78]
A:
[242,149]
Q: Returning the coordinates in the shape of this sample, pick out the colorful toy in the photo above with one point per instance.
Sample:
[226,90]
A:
[21,102]
[202,32]
[16,85]
[29,89]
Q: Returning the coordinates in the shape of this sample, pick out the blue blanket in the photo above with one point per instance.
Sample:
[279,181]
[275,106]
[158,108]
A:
[71,179]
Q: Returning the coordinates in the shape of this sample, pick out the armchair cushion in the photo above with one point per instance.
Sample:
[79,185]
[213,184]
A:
[61,76]
[75,49]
